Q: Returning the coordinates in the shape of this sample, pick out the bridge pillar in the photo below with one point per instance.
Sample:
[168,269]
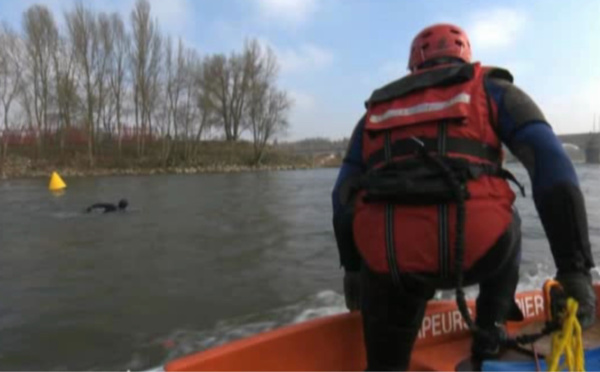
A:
[592,149]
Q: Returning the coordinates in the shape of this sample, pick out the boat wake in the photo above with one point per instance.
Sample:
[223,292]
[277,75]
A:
[324,303]
[182,342]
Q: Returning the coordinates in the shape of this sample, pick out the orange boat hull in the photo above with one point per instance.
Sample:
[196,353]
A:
[335,343]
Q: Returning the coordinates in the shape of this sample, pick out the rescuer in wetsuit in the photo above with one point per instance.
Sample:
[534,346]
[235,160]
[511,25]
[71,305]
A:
[385,247]
[109,207]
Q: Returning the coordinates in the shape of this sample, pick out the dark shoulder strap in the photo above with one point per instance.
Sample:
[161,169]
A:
[455,74]
[498,73]
[505,78]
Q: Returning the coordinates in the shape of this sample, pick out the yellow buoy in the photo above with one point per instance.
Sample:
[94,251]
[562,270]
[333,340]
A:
[56,183]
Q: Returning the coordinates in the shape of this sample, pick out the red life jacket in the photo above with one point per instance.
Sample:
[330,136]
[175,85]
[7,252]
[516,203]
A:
[447,110]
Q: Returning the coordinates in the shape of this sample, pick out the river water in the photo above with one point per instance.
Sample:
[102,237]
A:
[197,260]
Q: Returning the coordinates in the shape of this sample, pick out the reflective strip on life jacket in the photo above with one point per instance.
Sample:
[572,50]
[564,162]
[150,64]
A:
[421,108]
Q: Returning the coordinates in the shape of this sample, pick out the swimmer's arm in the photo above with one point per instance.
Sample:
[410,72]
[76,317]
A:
[105,206]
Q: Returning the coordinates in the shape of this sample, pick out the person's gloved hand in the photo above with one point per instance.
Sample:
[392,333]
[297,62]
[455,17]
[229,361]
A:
[352,290]
[579,286]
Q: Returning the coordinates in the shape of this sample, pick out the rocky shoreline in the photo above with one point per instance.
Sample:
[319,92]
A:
[99,172]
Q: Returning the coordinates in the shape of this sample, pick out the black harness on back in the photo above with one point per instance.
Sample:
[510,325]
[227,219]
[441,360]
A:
[430,177]
[429,180]
[421,180]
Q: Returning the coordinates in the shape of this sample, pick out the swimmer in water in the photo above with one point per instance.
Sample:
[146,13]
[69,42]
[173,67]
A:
[108,207]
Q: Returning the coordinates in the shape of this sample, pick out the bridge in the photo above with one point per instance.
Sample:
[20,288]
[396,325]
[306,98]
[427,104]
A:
[582,146]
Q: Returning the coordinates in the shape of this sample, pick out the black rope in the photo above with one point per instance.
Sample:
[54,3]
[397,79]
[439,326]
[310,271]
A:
[457,189]
[459,242]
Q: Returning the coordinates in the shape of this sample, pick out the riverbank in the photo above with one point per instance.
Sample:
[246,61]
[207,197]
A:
[36,172]
[211,157]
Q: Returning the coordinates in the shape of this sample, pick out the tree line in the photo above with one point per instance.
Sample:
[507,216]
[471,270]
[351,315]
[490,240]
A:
[122,83]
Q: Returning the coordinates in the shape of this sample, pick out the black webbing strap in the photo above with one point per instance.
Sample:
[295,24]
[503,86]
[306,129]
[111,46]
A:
[462,146]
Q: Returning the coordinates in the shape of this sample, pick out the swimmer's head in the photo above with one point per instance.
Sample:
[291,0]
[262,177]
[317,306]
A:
[123,203]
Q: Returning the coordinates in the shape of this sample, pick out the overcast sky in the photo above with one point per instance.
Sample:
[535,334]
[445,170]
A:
[333,53]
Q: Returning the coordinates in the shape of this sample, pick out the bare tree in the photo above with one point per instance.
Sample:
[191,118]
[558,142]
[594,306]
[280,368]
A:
[176,78]
[267,107]
[215,86]
[170,87]
[172,100]
[11,74]
[104,104]
[226,83]
[82,28]
[26,103]
[181,90]
[118,71]
[98,76]
[153,94]
[145,64]
[205,109]
[268,118]
[67,99]
[188,109]
[239,92]
[41,37]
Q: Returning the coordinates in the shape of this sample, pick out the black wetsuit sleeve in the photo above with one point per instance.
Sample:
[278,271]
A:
[556,192]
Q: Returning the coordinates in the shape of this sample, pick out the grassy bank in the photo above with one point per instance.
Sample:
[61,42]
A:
[209,157]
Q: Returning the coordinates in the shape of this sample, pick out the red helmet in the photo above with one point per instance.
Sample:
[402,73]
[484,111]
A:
[441,40]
